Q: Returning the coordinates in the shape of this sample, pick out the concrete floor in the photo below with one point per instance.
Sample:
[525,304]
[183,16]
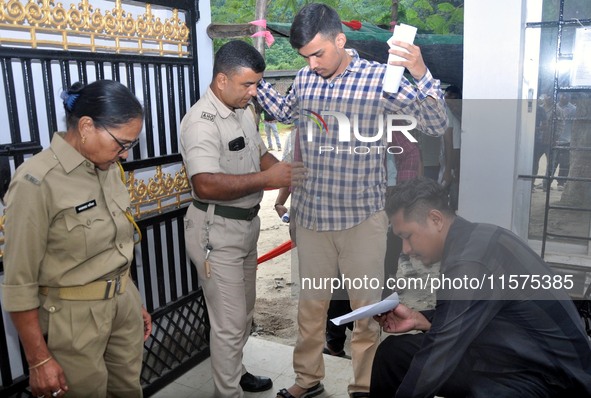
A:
[266,358]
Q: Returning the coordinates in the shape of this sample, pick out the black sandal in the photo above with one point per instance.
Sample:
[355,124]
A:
[309,393]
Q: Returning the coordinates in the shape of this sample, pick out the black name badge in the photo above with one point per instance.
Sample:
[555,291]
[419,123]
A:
[85,206]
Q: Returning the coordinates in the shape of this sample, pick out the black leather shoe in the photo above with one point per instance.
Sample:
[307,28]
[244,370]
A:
[251,383]
[359,394]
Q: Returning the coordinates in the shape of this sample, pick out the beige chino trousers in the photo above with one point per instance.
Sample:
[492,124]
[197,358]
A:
[358,254]
[229,292]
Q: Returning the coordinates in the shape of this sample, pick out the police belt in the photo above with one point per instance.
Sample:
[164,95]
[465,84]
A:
[98,290]
[235,213]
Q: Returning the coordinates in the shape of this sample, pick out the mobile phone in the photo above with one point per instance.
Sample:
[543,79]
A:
[236,144]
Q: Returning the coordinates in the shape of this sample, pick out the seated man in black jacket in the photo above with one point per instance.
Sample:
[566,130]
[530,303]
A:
[503,325]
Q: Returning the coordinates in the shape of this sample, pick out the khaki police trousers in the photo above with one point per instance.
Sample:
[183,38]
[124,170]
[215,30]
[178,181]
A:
[357,254]
[230,290]
[99,343]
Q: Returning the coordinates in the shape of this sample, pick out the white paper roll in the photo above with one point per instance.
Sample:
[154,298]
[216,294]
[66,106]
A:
[393,75]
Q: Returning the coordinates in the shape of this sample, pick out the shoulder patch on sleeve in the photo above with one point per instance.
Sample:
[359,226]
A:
[207,116]
[32,179]
[35,169]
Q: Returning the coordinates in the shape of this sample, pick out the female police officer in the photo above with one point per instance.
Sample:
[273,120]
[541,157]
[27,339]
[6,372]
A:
[69,246]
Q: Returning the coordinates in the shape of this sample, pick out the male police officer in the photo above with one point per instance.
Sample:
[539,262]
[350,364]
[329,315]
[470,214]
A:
[229,167]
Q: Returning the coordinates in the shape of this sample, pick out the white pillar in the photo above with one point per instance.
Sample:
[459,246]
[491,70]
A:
[493,40]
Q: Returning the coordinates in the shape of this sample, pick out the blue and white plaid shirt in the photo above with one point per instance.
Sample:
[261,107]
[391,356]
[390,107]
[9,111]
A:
[346,180]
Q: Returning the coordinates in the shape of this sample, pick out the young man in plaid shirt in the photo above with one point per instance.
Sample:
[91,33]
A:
[339,209]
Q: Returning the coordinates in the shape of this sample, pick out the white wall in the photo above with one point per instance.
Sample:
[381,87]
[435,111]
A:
[204,46]
[493,37]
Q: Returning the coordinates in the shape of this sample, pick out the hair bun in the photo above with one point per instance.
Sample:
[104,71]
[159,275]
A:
[69,100]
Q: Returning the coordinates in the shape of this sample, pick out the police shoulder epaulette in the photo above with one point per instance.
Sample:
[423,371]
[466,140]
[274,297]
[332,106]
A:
[35,171]
[207,116]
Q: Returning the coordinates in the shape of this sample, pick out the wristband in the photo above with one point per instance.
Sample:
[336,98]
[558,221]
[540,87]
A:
[41,363]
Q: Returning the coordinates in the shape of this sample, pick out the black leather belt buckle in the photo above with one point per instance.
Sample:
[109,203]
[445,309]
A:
[252,212]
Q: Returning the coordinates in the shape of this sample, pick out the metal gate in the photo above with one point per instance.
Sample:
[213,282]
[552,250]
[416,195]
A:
[560,31]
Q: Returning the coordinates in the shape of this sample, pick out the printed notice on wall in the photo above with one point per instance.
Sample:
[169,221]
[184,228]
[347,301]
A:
[581,70]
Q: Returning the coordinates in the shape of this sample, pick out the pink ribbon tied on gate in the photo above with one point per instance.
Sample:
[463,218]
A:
[269,39]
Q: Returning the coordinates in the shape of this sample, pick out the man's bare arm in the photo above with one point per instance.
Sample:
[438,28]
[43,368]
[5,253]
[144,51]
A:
[220,186]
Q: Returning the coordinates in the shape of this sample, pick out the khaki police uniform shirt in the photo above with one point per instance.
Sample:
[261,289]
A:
[206,131]
[65,225]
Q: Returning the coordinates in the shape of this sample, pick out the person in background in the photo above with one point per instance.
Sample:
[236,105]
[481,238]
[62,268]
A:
[288,156]
[449,174]
[395,259]
[229,167]
[69,245]
[271,128]
[481,340]
[541,137]
[565,111]
[430,148]
[546,135]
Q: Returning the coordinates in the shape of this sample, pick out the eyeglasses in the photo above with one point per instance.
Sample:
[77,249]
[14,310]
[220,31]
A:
[124,146]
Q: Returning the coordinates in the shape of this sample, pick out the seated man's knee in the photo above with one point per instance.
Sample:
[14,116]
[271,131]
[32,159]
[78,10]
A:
[395,354]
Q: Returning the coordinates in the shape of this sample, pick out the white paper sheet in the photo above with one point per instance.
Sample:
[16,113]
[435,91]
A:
[382,307]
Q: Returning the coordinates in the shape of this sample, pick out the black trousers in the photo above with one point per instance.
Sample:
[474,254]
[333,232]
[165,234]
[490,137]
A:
[391,363]
[336,335]
[395,354]
[393,250]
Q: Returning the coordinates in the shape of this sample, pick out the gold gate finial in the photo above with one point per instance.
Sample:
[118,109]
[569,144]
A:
[80,26]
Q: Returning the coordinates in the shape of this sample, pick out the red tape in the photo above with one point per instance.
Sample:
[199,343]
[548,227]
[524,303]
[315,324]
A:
[279,250]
